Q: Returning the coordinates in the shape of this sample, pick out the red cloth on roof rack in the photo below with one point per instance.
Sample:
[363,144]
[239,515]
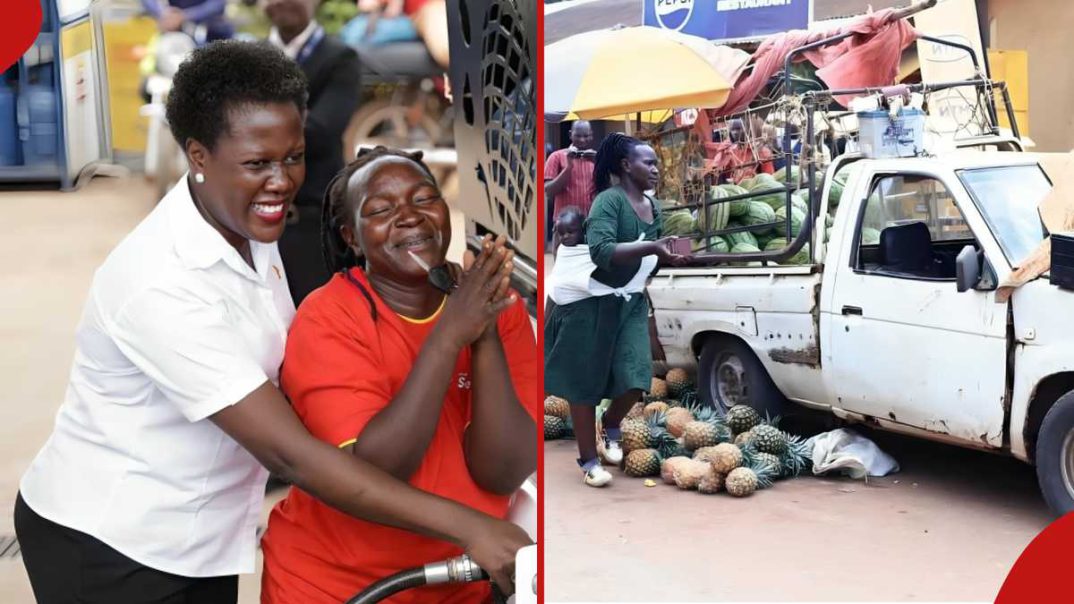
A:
[869,58]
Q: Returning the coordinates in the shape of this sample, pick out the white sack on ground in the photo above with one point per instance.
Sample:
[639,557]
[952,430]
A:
[850,453]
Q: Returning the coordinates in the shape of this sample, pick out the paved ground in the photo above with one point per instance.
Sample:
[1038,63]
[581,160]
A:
[947,527]
[52,243]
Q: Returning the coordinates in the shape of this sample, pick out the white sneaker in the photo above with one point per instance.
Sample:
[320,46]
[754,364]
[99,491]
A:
[613,452]
[598,477]
[609,451]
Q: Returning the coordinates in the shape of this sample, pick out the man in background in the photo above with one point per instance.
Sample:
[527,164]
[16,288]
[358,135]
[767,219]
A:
[568,173]
[332,69]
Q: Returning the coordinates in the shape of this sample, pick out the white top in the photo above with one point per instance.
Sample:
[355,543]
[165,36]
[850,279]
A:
[177,327]
[571,277]
[292,48]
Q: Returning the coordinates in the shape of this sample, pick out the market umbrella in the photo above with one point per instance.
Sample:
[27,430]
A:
[631,69]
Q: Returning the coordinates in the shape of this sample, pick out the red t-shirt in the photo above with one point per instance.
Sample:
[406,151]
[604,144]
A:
[580,189]
[341,369]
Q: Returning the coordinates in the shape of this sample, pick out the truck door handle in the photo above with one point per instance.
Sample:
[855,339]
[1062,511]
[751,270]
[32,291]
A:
[852,310]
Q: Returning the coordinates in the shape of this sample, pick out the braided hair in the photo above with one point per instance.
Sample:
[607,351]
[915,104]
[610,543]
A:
[338,256]
[612,151]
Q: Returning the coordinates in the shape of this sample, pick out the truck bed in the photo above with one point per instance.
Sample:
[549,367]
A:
[773,309]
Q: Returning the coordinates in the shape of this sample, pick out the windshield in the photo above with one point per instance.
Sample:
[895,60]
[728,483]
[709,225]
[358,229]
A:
[1008,197]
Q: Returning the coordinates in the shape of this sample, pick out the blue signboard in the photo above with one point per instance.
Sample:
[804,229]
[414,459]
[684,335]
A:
[728,19]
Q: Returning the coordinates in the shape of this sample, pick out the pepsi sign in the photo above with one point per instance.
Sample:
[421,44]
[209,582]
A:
[725,20]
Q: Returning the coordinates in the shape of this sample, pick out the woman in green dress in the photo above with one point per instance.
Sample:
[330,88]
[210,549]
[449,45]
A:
[598,347]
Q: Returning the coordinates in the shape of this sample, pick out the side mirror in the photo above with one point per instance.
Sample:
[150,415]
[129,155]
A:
[967,269]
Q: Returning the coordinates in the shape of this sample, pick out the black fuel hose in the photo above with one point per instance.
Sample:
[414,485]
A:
[389,586]
[455,570]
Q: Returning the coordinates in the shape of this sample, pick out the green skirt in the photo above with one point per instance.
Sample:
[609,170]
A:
[597,348]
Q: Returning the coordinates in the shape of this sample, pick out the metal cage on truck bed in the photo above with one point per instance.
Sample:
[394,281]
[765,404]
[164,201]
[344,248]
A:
[809,104]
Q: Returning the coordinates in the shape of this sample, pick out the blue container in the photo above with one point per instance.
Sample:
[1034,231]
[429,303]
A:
[37,109]
[9,126]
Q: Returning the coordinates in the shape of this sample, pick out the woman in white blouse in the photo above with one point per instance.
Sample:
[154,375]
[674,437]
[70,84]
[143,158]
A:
[151,484]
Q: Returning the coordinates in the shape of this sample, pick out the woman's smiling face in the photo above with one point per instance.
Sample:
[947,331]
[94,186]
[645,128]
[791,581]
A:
[396,209]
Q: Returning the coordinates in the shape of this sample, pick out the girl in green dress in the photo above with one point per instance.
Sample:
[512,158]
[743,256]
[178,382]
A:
[598,347]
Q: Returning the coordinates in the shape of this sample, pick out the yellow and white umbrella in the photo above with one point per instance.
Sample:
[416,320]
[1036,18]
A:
[631,69]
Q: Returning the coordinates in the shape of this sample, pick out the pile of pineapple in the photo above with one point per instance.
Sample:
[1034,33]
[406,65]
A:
[557,418]
[695,447]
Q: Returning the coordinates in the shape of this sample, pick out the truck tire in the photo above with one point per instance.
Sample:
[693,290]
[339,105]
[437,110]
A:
[730,374]
[1055,456]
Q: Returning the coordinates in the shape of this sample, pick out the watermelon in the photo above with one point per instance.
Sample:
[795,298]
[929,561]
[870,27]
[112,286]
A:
[797,218]
[746,237]
[870,236]
[835,193]
[829,221]
[781,176]
[775,243]
[738,208]
[744,248]
[719,213]
[719,245]
[763,240]
[764,182]
[802,257]
[760,213]
[678,223]
[800,200]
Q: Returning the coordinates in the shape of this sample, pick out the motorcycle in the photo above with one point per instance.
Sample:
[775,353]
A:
[461,569]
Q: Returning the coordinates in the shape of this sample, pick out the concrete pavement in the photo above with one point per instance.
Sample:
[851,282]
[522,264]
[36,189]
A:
[947,527]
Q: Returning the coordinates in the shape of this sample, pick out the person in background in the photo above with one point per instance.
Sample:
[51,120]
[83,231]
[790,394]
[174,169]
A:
[568,173]
[598,347]
[172,15]
[792,152]
[429,18]
[332,69]
[746,158]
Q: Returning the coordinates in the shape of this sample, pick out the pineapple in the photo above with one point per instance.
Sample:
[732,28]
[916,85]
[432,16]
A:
[554,427]
[677,418]
[656,408]
[742,418]
[642,462]
[797,458]
[769,439]
[707,430]
[770,460]
[688,474]
[744,480]
[635,435]
[558,407]
[726,457]
[667,468]
[711,482]
[706,454]
[678,381]
[658,389]
[636,412]
[744,438]
[647,433]
[741,482]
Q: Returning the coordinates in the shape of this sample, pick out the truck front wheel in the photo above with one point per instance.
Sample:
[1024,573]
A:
[730,374]
[1055,456]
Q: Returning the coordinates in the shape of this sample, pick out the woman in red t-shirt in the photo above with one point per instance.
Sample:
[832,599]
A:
[441,391]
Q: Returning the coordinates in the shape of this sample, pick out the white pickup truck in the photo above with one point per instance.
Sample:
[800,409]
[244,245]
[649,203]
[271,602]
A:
[904,333]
